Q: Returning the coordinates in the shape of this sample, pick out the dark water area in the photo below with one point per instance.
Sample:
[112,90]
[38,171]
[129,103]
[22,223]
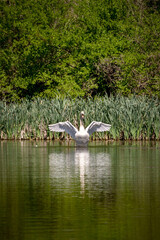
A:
[51,190]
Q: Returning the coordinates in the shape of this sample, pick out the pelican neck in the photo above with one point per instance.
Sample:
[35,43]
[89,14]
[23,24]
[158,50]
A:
[81,125]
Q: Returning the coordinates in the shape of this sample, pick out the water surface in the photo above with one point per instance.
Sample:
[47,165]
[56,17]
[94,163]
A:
[51,190]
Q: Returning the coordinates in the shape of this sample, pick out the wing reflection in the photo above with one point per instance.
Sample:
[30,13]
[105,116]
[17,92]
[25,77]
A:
[88,168]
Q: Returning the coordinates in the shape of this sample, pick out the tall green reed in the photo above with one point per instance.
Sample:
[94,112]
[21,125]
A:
[131,118]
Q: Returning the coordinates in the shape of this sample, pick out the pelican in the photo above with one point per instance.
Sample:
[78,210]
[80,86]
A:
[82,136]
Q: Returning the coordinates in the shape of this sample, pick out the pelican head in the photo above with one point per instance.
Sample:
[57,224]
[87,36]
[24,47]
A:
[82,115]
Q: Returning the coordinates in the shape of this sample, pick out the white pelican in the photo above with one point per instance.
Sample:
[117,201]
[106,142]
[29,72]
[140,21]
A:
[82,136]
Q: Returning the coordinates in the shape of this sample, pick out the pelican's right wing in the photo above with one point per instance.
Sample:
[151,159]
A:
[64,127]
[97,127]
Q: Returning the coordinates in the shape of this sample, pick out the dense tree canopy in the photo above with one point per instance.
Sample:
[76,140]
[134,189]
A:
[79,48]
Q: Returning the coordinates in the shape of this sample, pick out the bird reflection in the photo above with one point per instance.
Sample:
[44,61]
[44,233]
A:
[82,162]
[88,166]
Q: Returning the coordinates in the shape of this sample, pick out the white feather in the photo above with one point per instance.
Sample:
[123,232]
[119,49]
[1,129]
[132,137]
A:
[82,136]
[97,127]
[64,127]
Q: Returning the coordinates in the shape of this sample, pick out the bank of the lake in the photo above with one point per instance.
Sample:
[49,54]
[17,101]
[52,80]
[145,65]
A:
[134,118]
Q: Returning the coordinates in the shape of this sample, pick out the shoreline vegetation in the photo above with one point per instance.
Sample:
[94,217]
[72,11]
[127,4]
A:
[74,48]
[132,118]
[66,56]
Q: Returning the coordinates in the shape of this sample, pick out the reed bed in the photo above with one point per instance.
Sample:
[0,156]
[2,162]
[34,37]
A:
[136,118]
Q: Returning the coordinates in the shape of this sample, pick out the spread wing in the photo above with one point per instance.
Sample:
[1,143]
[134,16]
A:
[64,127]
[97,127]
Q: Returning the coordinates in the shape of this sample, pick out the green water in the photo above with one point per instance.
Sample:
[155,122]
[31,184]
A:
[55,191]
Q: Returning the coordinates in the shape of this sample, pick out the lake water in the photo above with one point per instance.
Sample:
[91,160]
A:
[51,190]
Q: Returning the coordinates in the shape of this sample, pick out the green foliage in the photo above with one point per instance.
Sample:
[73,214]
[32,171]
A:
[79,48]
[131,118]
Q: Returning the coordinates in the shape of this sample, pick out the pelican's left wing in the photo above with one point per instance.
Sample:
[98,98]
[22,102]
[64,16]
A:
[97,127]
[64,127]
